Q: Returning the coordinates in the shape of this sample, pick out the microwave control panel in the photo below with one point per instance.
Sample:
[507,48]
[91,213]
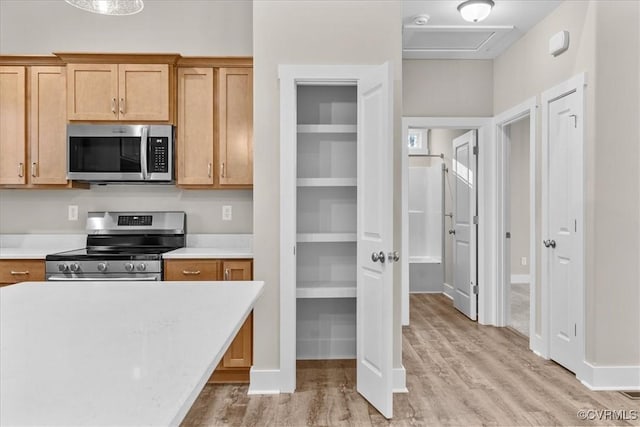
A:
[159,150]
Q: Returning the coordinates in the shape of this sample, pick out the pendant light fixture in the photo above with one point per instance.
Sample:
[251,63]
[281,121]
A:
[109,7]
[475,10]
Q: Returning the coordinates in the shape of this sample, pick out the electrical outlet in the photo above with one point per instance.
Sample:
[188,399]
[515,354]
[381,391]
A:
[227,213]
[523,260]
[72,214]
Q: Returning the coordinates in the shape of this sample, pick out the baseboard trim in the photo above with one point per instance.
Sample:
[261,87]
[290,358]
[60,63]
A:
[400,380]
[520,278]
[618,378]
[264,381]
[447,290]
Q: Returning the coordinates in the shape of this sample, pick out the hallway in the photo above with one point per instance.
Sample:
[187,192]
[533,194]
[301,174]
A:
[459,373]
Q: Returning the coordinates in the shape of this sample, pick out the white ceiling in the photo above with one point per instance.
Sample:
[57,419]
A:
[447,36]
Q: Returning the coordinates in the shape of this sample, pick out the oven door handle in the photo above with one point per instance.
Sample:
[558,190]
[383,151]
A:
[144,140]
[98,279]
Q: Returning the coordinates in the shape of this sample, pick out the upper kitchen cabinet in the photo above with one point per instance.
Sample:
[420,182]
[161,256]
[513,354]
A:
[235,118]
[13,117]
[215,123]
[33,123]
[112,87]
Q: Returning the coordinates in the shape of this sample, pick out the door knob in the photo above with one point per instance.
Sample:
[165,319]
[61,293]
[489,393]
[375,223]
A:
[452,231]
[377,256]
[549,243]
[393,256]
[552,243]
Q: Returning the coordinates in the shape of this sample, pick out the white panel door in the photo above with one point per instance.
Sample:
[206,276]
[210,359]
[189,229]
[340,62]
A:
[375,240]
[465,231]
[563,177]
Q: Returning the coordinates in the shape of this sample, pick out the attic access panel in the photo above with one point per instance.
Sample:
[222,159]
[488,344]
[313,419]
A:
[444,40]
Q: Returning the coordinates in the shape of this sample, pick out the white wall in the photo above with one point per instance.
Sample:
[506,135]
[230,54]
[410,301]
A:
[318,32]
[447,88]
[605,43]
[188,27]
[191,28]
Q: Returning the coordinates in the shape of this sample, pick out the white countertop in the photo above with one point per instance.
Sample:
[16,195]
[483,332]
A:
[38,246]
[230,246]
[113,353]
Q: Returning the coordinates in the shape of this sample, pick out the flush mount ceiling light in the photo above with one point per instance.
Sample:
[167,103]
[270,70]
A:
[475,10]
[109,7]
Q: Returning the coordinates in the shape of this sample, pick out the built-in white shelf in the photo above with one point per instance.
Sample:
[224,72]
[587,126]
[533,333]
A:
[331,128]
[325,237]
[416,212]
[327,182]
[326,290]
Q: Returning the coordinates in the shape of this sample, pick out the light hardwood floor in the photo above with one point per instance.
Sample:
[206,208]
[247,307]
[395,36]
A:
[458,373]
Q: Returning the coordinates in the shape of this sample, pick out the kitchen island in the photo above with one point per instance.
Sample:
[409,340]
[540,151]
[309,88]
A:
[113,353]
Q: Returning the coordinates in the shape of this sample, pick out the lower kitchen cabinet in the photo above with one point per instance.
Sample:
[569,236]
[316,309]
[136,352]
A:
[21,270]
[237,361]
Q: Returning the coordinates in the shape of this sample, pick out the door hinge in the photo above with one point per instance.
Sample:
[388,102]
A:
[575,120]
[508,235]
[475,219]
[475,150]
[294,250]
[475,289]
[575,329]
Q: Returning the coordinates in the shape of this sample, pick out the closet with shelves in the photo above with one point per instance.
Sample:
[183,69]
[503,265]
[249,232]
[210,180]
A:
[336,223]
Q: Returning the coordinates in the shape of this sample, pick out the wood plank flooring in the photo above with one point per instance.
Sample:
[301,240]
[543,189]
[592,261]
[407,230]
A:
[459,373]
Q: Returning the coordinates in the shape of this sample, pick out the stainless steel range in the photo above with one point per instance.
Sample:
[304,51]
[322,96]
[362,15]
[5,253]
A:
[121,246]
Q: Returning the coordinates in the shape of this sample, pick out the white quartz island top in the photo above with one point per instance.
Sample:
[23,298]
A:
[113,353]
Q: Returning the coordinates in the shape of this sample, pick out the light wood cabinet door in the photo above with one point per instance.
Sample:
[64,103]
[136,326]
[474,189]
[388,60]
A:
[235,121]
[240,352]
[47,124]
[12,125]
[195,133]
[110,92]
[143,92]
[191,269]
[21,270]
[92,92]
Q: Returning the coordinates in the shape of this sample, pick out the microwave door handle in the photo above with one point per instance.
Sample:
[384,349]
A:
[144,138]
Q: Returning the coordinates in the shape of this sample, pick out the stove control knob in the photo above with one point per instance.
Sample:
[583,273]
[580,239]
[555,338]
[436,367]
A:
[142,266]
[63,267]
[74,267]
[102,266]
[128,266]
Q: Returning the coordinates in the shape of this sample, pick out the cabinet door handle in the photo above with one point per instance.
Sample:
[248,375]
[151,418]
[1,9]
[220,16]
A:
[34,169]
[222,170]
[20,170]
[122,105]
[190,272]
[226,274]
[113,105]
[209,168]
[20,273]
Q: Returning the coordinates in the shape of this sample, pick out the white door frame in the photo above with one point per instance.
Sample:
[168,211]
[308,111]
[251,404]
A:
[486,209]
[576,85]
[527,108]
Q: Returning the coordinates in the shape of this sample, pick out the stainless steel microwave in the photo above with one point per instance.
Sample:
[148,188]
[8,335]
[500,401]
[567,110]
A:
[120,153]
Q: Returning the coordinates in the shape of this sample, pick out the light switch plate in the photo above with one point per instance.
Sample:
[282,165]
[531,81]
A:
[523,260]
